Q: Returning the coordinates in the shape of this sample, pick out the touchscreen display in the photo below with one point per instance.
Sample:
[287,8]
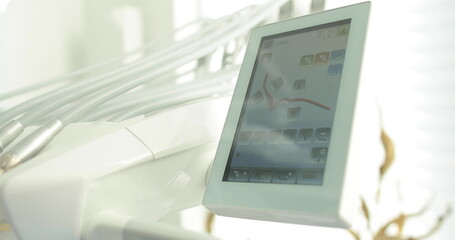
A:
[284,131]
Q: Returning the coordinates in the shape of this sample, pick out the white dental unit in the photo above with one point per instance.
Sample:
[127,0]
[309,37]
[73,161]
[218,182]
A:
[281,156]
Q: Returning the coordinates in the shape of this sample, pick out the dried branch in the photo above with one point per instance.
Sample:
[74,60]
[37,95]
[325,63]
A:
[366,212]
[423,210]
[382,233]
[389,154]
[354,234]
[209,222]
[388,161]
[437,225]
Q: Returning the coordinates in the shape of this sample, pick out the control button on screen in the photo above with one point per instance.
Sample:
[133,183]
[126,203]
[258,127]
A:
[289,136]
[293,114]
[322,135]
[305,135]
[266,58]
[335,71]
[277,83]
[257,98]
[239,175]
[337,56]
[318,155]
[262,176]
[274,137]
[268,44]
[306,60]
[245,138]
[299,85]
[284,176]
[259,137]
[322,58]
[310,176]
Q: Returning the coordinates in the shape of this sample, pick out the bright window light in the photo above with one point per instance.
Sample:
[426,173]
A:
[3,5]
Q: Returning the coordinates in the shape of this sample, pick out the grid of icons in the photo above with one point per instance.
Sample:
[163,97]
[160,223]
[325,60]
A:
[308,176]
[276,141]
[333,59]
[285,136]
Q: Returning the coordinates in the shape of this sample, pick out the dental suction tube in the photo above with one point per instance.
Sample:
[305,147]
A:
[152,106]
[66,94]
[36,108]
[110,63]
[35,142]
[136,99]
[206,45]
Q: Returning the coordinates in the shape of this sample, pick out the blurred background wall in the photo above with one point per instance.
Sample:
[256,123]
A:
[46,38]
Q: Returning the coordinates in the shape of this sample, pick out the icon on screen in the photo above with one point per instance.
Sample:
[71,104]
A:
[337,56]
[289,136]
[322,58]
[284,176]
[293,114]
[257,98]
[318,155]
[268,44]
[299,85]
[343,30]
[266,57]
[274,137]
[261,176]
[277,83]
[259,137]
[335,71]
[310,177]
[307,60]
[239,175]
[322,135]
[245,138]
[305,135]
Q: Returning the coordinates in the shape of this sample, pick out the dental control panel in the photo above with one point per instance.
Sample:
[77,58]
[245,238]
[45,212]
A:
[283,155]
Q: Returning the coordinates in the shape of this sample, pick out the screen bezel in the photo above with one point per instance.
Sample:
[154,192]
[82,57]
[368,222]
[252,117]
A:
[277,202]
[262,40]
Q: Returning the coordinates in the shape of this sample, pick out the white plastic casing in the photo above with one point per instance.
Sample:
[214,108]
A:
[145,168]
[330,204]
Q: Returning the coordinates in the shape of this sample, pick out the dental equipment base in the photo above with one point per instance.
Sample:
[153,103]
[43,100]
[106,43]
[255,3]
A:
[142,169]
